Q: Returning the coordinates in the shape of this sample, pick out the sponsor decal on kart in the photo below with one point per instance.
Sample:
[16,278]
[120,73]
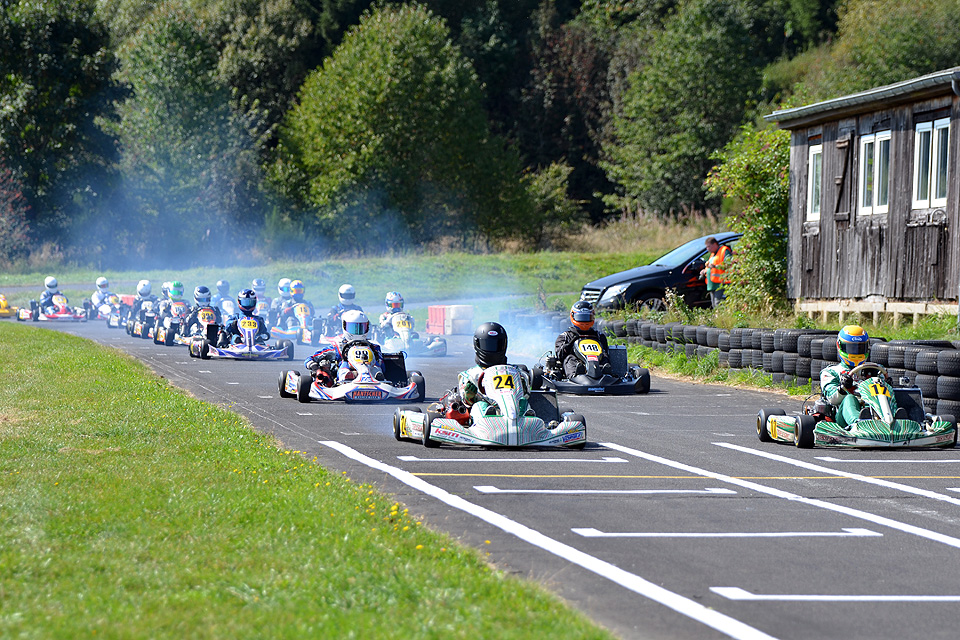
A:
[447,433]
[291,384]
[944,438]
[596,389]
[367,394]
[570,437]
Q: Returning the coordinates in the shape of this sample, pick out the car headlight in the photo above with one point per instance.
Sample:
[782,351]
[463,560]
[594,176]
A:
[614,292]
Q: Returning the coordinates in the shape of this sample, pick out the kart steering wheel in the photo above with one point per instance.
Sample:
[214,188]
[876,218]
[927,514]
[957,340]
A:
[869,366]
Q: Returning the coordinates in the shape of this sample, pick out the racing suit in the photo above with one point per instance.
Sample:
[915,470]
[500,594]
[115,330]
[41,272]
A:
[99,298]
[231,334]
[847,404]
[46,298]
[385,327]
[322,363]
[337,310]
[287,317]
[192,321]
[566,343]
[468,394]
[138,302]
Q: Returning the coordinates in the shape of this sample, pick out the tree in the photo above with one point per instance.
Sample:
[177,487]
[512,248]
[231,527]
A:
[14,240]
[389,139]
[684,105]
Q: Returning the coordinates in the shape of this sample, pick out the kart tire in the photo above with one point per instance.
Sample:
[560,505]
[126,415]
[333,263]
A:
[536,379]
[168,339]
[762,419]
[643,381]
[426,441]
[952,420]
[805,426]
[303,387]
[286,344]
[417,378]
[576,417]
[396,424]
[35,316]
[204,349]
[282,385]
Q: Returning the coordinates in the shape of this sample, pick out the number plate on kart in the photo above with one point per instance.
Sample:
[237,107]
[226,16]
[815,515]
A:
[363,355]
[207,316]
[247,323]
[591,349]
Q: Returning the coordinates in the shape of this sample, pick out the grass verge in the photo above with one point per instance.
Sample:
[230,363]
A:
[133,511]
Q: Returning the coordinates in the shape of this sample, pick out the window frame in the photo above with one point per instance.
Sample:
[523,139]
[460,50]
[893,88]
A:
[877,170]
[931,161]
[811,214]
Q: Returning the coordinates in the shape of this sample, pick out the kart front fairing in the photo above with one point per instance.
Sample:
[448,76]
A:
[248,348]
[61,311]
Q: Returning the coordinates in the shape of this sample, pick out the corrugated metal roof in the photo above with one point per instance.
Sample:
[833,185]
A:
[933,82]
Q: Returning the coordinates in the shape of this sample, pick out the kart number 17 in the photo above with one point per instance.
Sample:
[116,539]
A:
[879,389]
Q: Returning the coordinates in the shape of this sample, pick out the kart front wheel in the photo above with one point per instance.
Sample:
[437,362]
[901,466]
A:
[204,349]
[953,421]
[396,424]
[303,387]
[286,344]
[418,380]
[804,436]
[282,385]
[427,424]
[762,419]
[536,379]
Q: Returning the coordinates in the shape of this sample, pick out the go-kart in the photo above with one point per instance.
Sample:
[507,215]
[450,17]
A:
[206,327]
[59,310]
[399,335]
[168,324]
[115,311]
[513,417]
[247,349]
[891,417]
[619,378]
[6,311]
[369,384]
[306,329]
[139,327]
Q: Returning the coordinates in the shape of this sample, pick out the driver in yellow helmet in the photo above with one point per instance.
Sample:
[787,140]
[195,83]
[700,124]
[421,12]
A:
[838,386]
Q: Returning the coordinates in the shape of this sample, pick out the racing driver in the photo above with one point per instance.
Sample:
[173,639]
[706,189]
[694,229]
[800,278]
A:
[247,305]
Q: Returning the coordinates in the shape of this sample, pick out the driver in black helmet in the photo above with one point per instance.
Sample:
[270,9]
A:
[201,296]
[582,317]
[247,304]
[490,349]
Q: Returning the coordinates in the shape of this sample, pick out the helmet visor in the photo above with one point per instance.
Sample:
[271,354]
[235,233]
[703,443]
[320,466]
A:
[582,315]
[855,348]
[248,303]
[348,295]
[357,328]
[396,305]
[493,344]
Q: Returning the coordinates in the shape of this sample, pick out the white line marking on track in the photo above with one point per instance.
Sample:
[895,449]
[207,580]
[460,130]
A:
[786,495]
[845,533]
[304,414]
[576,492]
[736,593]
[846,474]
[829,459]
[233,383]
[416,459]
[203,371]
[183,363]
[957,489]
[685,606]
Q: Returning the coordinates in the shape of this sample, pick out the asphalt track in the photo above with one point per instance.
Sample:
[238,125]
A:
[674,522]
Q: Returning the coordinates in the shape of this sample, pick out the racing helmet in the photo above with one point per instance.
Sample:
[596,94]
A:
[355,325]
[259,286]
[176,290]
[853,345]
[297,289]
[283,288]
[247,301]
[347,294]
[165,289]
[223,287]
[51,285]
[581,315]
[103,285]
[143,288]
[394,301]
[201,295]
[490,344]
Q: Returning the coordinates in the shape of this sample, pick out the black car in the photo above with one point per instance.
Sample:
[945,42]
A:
[646,286]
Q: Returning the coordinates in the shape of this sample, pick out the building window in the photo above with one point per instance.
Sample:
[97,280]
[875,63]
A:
[931,150]
[814,181]
[874,173]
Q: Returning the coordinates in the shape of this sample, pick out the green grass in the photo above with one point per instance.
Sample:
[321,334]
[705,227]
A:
[130,510]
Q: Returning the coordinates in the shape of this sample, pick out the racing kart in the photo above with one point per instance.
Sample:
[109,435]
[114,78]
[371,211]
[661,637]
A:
[247,349]
[168,324]
[7,311]
[399,335]
[59,310]
[206,327]
[114,311]
[619,378]
[891,418]
[514,417]
[370,383]
[139,327]
[307,329]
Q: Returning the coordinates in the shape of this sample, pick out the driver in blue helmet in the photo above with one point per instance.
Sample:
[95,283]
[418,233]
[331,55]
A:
[247,305]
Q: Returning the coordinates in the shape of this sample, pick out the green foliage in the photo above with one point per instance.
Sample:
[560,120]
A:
[390,142]
[754,174]
[13,218]
[555,215]
[685,104]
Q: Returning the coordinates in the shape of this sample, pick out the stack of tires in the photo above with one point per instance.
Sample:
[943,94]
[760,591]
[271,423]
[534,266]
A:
[931,365]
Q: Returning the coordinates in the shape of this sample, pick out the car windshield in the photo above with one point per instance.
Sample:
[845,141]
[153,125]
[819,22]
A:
[681,254]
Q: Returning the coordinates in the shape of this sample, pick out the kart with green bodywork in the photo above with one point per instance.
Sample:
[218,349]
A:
[891,418]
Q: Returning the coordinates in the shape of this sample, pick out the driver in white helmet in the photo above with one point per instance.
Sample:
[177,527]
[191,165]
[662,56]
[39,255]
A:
[347,301]
[394,303]
[50,288]
[144,294]
[283,300]
[355,329]
[102,294]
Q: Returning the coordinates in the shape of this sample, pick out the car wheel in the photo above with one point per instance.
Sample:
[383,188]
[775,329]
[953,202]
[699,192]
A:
[204,349]
[282,385]
[396,424]
[805,426]
[651,302]
[427,423]
[762,418]
[536,379]
[303,387]
[417,379]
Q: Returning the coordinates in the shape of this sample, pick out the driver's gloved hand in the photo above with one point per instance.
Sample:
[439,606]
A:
[846,381]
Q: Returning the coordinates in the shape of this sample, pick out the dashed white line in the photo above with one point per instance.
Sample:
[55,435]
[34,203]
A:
[854,460]
[577,492]
[736,593]
[416,459]
[845,533]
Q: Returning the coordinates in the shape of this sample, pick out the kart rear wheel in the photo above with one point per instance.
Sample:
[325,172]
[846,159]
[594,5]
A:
[536,378]
[168,339]
[952,420]
[417,379]
[204,349]
[805,426]
[427,424]
[303,387]
[643,381]
[762,418]
[396,424]
[282,385]
[576,417]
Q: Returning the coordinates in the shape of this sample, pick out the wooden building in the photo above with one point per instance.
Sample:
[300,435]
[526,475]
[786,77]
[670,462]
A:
[874,220]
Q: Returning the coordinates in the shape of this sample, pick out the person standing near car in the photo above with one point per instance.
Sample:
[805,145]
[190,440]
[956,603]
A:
[715,270]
